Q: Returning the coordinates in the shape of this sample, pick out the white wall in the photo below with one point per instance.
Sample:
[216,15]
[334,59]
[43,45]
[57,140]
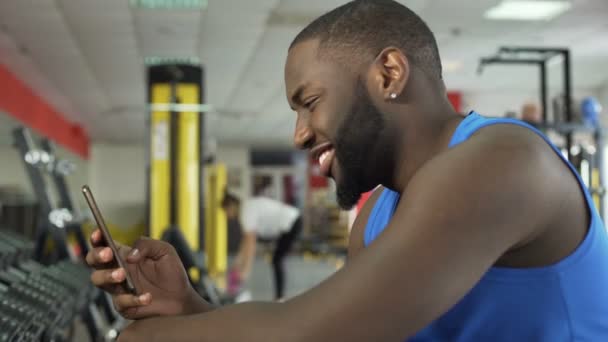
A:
[117,177]
[602,96]
[12,170]
[238,161]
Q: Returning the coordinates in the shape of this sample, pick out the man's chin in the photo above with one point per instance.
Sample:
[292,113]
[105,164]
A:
[347,199]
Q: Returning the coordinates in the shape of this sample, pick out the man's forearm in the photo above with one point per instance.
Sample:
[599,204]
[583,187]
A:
[252,322]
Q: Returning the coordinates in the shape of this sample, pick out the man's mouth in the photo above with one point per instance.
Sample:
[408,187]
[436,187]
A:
[324,154]
[325,161]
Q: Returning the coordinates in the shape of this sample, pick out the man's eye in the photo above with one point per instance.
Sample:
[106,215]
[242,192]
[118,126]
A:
[310,103]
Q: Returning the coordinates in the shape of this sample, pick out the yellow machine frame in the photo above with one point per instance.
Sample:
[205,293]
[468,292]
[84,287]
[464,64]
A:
[176,195]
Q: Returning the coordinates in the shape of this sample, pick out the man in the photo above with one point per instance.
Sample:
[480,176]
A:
[268,219]
[481,231]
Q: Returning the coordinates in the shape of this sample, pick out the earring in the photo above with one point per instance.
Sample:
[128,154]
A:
[393,96]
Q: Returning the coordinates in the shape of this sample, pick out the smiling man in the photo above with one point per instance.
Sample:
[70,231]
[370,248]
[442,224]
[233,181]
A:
[481,230]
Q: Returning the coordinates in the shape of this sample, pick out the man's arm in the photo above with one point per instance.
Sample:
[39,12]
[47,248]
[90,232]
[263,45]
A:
[462,211]
[357,233]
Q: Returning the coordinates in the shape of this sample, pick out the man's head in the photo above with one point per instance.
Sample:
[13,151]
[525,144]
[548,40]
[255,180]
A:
[231,205]
[345,75]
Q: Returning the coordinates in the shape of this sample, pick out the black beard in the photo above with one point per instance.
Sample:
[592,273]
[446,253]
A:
[355,142]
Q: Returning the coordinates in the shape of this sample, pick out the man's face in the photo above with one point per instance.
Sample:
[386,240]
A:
[337,120]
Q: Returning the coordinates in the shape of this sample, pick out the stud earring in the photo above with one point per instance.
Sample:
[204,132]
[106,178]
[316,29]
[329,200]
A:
[393,96]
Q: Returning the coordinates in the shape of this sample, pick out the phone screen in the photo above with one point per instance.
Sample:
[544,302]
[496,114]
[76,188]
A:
[88,195]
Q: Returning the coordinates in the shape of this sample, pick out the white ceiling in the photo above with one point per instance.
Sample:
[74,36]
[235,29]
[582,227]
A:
[86,56]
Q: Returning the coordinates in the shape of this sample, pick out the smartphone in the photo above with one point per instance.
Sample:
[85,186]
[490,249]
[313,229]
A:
[119,262]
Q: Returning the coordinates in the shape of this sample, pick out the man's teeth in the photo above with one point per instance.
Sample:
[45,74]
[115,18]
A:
[323,156]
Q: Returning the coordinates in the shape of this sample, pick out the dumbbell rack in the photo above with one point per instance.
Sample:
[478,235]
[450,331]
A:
[56,221]
[39,303]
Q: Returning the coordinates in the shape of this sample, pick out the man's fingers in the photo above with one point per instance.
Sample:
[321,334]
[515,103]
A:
[103,278]
[127,304]
[148,248]
[99,256]
[97,238]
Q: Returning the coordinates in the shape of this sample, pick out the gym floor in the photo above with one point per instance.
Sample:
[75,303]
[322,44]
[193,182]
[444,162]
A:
[302,274]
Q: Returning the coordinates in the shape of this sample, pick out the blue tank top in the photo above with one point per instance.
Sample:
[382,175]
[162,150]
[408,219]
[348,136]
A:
[567,301]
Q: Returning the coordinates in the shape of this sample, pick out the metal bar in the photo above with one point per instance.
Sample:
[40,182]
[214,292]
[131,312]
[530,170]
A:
[543,90]
[30,157]
[501,60]
[599,155]
[201,167]
[65,199]
[173,156]
[25,145]
[515,49]
[568,95]
[180,107]
[564,128]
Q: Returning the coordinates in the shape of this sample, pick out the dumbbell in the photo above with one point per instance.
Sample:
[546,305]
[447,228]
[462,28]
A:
[8,255]
[14,316]
[32,320]
[76,279]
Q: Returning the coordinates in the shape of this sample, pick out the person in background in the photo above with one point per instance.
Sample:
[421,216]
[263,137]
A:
[531,114]
[266,218]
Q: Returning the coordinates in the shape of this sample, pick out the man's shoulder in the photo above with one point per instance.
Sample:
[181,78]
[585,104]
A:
[517,143]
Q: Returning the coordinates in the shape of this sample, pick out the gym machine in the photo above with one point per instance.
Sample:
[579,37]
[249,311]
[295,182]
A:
[38,302]
[57,221]
[59,170]
[565,121]
[52,220]
[180,190]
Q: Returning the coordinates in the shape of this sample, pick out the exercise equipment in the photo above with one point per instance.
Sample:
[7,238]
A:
[52,219]
[39,302]
[216,234]
[175,171]
[57,220]
[566,121]
[183,202]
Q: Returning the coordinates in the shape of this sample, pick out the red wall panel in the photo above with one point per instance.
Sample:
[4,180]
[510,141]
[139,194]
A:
[19,101]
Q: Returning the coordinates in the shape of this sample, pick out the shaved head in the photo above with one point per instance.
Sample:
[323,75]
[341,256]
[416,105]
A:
[361,29]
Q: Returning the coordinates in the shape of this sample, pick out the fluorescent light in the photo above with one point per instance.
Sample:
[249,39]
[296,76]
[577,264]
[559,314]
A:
[158,60]
[181,107]
[451,65]
[527,10]
[169,4]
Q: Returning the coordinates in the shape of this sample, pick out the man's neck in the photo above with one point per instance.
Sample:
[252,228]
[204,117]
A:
[424,138]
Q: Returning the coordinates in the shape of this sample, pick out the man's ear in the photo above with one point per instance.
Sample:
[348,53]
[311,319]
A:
[390,73]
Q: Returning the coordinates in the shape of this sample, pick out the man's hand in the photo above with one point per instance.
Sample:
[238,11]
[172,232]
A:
[158,274]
